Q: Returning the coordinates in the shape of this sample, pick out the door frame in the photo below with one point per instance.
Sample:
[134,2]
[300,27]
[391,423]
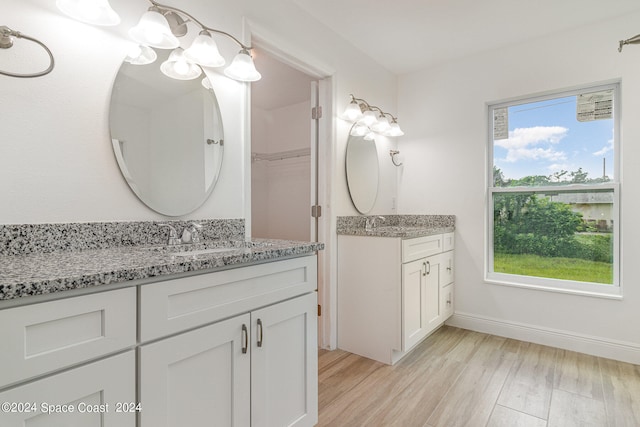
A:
[301,60]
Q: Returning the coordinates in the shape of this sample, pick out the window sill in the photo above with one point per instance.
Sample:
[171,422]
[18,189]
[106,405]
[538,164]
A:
[557,286]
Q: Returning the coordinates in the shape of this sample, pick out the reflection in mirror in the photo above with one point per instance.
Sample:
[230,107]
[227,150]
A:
[167,137]
[362,172]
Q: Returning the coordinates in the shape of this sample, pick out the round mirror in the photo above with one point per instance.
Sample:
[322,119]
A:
[362,172]
[167,137]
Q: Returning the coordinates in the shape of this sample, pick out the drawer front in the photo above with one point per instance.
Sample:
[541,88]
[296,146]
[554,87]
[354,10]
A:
[446,301]
[448,242]
[420,247]
[176,305]
[41,338]
[88,396]
[447,270]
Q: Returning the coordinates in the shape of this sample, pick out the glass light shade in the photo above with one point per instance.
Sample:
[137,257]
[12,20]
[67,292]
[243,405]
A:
[394,129]
[359,130]
[352,112]
[370,136]
[153,30]
[369,118]
[204,51]
[382,125]
[242,68]
[95,12]
[179,68]
[141,55]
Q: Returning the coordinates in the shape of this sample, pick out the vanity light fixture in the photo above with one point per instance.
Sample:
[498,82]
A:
[160,26]
[369,119]
[632,40]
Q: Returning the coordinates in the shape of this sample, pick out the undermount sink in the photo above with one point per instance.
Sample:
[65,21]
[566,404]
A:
[202,251]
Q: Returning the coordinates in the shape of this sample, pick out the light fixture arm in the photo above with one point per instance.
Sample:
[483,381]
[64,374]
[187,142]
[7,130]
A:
[200,24]
[632,40]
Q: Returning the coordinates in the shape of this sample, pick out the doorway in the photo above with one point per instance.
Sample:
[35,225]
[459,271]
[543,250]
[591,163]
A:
[290,160]
[282,152]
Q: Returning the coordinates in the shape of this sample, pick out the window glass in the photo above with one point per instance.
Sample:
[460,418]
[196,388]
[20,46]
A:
[553,189]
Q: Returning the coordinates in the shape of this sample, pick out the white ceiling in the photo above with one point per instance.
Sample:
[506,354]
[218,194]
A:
[409,35]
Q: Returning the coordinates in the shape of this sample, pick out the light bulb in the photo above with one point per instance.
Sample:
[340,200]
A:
[153,30]
[359,130]
[204,51]
[369,118]
[394,129]
[370,136]
[140,55]
[382,124]
[177,67]
[242,68]
[352,112]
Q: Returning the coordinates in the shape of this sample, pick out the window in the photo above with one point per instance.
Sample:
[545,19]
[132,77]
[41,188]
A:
[553,196]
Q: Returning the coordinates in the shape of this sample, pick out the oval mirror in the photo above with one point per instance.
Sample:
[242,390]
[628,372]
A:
[362,172]
[167,137]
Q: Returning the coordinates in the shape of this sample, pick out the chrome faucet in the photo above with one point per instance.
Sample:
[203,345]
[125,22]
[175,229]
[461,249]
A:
[173,235]
[370,222]
[191,233]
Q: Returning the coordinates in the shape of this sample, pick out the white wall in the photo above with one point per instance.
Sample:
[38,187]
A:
[443,112]
[280,195]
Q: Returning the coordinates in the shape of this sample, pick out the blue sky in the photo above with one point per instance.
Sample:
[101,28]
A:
[545,137]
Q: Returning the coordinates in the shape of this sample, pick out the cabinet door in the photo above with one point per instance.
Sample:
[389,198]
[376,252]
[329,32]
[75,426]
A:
[197,378]
[284,364]
[89,396]
[413,302]
[432,315]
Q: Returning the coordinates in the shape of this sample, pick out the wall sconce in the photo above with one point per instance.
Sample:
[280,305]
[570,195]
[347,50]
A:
[370,118]
[159,27]
[632,40]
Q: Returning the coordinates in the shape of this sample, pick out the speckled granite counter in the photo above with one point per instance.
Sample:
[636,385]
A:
[38,272]
[402,226]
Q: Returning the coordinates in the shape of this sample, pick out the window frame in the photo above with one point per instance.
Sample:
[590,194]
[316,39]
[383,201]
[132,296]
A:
[614,290]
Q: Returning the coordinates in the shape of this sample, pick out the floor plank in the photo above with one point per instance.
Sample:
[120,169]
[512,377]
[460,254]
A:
[529,385]
[506,417]
[463,378]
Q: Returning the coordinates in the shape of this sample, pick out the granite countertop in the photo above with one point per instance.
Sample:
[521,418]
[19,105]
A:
[402,226]
[403,232]
[46,273]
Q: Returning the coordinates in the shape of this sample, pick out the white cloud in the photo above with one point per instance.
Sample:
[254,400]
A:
[605,149]
[533,143]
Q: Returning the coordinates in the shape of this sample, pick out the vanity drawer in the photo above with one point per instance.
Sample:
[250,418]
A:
[421,247]
[448,242]
[44,337]
[176,305]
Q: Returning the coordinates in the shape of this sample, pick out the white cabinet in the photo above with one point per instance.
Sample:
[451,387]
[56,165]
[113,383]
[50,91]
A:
[257,368]
[100,394]
[392,292]
[40,340]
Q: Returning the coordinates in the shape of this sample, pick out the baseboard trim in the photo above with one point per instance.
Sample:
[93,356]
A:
[596,346]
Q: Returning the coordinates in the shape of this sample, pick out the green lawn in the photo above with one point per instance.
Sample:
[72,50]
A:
[556,268]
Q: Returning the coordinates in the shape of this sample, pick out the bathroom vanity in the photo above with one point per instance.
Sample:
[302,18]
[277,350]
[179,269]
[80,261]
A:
[395,284]
[204,335]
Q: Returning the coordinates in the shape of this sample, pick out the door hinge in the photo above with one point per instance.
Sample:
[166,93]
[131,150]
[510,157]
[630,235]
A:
[316,211]
[316,113]
[319,310]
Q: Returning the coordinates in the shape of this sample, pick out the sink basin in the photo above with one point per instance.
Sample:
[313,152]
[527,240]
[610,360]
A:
[202,252]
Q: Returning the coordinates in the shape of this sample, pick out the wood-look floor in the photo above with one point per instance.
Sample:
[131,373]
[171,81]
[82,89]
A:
[463,378]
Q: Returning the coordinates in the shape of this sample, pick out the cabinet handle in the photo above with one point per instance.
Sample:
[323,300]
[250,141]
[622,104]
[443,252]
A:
[449,268]
[259,333]
[245,339]
[428,269]
[424,266]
